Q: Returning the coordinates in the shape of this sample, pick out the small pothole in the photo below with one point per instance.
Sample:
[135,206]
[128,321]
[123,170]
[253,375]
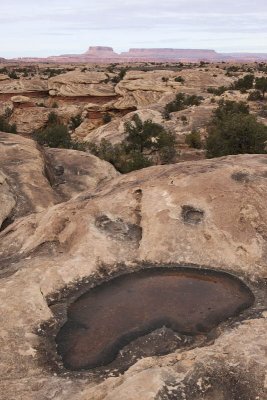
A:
[192,215]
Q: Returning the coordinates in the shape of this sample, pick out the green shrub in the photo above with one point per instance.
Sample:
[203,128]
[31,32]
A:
[75,121]
[106,118]
[5,126]
[217,91]
[142,141]
[4,70]
[55,135]
[52,118]
[244,83]
[261,85]
[120,76]
[193,139]
[181,102]
[255,96]
[13,75]
[228,107]
[179,79]
[234,131]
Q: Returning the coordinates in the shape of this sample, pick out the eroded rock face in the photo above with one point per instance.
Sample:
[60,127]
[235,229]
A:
[77,171]
[196,118]
[22,85]
[114,130]
[29,120]
[70,247]
[76,83]
[8,200]
[23,164]
[33,179]
[142,89]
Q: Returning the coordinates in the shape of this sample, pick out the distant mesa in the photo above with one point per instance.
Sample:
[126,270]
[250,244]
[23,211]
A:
[171,54]
[101,51]
[106,54]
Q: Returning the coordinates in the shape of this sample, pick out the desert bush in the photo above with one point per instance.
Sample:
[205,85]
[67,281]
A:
[54,135]
[143,140]
[181,102]
[255,96]
[13,75]
[228,107]
[193,139]
[234,131]
[75,121]
[244,83]
[5,126]
[217,91]
[261,85]
[106,118]
[120,76]
[179,79]
[52,118]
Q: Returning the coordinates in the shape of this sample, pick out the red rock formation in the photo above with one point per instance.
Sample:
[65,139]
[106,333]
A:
[171,54]
[100,51]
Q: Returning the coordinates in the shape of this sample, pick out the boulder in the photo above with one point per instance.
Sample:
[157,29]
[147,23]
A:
[30,119]
[20,99]
[78,171]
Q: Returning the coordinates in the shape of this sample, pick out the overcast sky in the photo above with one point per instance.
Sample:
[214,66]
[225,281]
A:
[52,27]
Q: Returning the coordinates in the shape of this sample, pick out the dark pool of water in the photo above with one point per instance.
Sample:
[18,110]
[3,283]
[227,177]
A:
[108,317]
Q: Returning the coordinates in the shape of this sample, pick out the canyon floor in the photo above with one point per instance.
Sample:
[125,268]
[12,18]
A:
[73,230]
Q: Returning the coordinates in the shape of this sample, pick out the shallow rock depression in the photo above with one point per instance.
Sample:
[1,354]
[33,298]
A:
[189,301]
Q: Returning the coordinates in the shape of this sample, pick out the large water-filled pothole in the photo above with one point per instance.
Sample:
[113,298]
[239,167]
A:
[186,301]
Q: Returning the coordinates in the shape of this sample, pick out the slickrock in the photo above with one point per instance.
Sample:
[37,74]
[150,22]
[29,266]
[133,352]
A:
[140,89]
[8,199]
[29,120]
[33,179]
[77,171]
[23,164]
[197,118]
[76,83]
[114,130]
[22,85]
[209,213]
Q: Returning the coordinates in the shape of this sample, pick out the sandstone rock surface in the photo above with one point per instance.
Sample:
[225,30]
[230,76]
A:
[114,130]
[23,164]
[22,85]
[78,171]
[141,89]
[76,83]
[210,213]
[33,179]
[20,99]
[29,119]
[197,118]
